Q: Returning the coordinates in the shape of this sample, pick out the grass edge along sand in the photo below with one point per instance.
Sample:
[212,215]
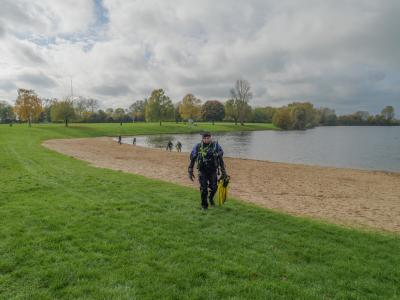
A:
[70,230]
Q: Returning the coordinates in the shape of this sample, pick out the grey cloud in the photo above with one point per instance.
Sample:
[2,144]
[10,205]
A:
[7,86]
[29,55]
[32,19]
[210,91]
[112,90]
[380,40]
[37,80]
[12,12]
[18,16]
[265,63]
[2,30]
[260,92]
[195,80]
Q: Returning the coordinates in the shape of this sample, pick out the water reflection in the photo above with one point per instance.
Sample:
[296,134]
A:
[159,141]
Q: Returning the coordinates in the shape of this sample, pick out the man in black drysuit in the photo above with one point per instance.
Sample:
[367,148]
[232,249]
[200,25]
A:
[209,157]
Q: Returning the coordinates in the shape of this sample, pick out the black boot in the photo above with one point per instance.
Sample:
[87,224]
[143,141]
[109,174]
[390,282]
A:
[212,203]
[204,203]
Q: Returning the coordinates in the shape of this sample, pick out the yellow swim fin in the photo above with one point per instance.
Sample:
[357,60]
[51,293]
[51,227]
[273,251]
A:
[222,190]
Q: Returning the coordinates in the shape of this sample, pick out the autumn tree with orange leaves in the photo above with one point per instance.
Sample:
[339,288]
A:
[28,106]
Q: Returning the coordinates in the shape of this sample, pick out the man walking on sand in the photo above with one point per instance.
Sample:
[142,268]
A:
[209,157]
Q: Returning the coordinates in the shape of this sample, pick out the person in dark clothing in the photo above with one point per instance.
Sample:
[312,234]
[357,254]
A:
[209,158]
[178,146]
[119,139]
[169,146]
[134,141]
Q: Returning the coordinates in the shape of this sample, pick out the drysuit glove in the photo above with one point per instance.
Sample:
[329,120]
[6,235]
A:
[190,174]
[223,173]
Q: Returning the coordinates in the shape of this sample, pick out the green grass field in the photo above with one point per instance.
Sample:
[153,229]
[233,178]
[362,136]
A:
[71,231]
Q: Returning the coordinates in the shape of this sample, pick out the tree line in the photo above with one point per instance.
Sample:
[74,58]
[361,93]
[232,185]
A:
[158,107]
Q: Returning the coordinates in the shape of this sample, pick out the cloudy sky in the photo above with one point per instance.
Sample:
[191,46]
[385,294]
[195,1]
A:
[344,54]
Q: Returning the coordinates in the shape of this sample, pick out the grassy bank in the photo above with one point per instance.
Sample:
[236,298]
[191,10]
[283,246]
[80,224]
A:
[73,231]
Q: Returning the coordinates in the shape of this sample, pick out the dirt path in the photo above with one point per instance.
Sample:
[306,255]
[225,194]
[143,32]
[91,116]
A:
[344,196]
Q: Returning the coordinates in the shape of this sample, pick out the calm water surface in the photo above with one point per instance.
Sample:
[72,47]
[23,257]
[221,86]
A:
[376,148]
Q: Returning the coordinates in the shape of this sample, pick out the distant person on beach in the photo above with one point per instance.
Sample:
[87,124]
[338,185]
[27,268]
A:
[209,158]
[179,146]
[169,146]
[134,141]
[119,139]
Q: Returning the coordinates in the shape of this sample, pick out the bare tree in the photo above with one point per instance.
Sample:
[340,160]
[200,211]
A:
[241,95]
[92,104]
[81,106]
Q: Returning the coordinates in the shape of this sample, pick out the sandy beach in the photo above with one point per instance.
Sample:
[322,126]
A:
[357,198]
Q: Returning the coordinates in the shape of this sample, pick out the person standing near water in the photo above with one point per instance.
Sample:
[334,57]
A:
[134,141]
[178,146]
[119,139]
[209,157]
[169,146]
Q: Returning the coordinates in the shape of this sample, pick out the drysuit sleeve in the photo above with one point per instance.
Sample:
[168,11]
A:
[220,153]
[193,157]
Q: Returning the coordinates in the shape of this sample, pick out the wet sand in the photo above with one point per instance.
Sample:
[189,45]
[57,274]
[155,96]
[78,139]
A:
[358,198]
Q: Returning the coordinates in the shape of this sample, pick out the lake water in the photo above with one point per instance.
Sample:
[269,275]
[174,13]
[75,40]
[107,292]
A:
[376,148]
